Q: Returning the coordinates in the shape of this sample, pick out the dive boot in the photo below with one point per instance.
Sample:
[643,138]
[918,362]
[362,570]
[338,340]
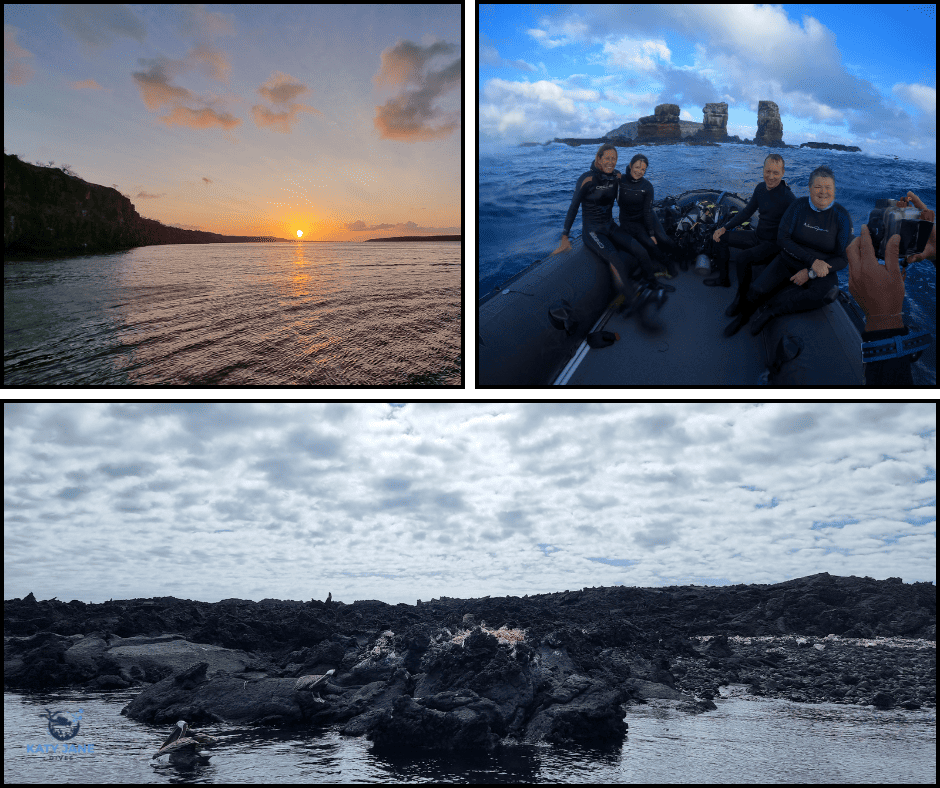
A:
[643,297]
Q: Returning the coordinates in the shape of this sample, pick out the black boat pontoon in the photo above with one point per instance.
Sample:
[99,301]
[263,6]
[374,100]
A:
[521,344]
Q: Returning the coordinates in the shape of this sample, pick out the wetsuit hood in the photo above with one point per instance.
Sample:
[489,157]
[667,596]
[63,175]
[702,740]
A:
[599,174]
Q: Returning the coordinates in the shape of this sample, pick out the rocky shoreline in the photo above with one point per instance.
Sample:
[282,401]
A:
[50,212]
[626,142]
[467,674]
[881,672]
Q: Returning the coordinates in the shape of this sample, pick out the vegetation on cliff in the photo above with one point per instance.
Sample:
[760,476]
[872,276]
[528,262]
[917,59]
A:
[51,211]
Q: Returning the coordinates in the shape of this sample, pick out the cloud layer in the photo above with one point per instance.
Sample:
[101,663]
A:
[423,500]
[741,54]
[419,110]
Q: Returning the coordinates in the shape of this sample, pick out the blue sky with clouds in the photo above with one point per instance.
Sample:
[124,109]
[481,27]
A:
[375,501]
[853,74]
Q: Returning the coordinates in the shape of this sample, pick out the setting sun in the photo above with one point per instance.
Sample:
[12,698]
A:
[300,233]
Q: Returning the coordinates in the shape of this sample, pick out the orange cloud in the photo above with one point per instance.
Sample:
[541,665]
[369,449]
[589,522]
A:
[200,119]
[155,88]
[17,69]
[279,121]
[187,108]
[213,61]
[88,84]
[414,114]
[281,90]
[409,228]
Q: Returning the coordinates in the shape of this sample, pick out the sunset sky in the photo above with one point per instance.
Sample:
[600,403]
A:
[339,121]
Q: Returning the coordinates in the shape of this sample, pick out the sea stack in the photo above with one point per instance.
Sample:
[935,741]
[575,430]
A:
[663,125]
[715,122]
[769,125]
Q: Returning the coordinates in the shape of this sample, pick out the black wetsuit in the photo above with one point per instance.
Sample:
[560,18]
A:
[772,205]
[805,235]
[596,193]
[760,245]
[636,219]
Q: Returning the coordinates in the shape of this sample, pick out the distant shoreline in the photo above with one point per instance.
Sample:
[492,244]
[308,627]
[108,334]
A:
[420,238]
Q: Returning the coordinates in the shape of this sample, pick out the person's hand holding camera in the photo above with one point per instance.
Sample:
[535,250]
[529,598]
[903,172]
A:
[879,290]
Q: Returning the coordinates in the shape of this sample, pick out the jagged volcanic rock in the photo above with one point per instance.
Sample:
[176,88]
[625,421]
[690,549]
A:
[831,146]
[555,667]
[715,122]
[628,131]
[662,125]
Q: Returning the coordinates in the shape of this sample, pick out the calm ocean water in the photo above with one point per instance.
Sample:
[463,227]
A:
[237,314]
[525,193]
[744,741]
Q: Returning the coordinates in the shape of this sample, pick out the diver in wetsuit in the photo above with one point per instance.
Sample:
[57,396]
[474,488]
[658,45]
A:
[636,219]
[596,192]
[771,198]
[813,235]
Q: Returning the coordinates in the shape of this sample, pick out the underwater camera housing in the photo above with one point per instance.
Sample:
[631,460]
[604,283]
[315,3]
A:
[887,219]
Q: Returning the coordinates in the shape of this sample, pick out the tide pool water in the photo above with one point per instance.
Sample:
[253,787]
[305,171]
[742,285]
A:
[744,741]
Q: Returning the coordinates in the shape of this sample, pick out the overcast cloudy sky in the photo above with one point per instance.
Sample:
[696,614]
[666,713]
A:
[374,501]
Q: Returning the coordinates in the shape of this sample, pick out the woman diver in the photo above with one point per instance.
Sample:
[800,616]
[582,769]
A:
[635,199]
[595,192]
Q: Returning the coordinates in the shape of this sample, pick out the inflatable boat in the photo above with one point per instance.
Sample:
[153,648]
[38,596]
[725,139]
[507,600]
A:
[532,329]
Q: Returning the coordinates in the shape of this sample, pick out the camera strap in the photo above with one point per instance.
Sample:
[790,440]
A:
[895,347]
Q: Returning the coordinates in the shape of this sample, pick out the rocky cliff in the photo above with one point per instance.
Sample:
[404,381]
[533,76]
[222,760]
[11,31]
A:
[629,130]
[662,125]
[49,211]
[715,122]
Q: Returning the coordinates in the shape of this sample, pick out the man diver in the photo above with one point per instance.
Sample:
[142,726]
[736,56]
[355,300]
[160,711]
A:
[772,198]
[813,235]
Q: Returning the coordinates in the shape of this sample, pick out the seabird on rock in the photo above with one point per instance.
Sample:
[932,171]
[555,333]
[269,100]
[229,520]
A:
[181,745]
[314,684]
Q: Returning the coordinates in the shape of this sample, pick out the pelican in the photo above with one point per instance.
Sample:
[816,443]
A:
[181,744]
[314,684]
